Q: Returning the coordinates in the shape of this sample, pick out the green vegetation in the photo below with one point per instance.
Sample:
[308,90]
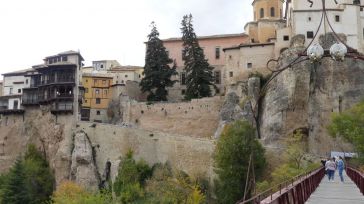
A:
[237,143]
[71,193]
[131,178]
[293,162]
[157,69]
[138,183]
[349,125]
[199,77]
[29,181]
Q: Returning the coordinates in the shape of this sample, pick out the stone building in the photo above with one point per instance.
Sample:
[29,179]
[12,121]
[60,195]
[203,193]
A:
[97,96]
[252,56]
[213,49]
[12,90]
[56,84]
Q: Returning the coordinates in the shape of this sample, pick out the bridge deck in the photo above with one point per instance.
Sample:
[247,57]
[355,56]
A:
[336,192]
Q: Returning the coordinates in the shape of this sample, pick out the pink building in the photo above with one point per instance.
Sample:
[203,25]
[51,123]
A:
[213,48]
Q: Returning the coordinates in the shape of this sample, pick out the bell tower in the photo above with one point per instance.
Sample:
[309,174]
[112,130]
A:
[268,17]
[268,9]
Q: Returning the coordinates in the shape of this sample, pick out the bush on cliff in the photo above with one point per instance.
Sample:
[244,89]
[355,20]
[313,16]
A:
[237,142]
[128,185]
[30,180]
[70,193]
[349,125]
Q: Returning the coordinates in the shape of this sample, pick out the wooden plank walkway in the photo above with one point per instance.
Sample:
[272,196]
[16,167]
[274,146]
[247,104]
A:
[336,192]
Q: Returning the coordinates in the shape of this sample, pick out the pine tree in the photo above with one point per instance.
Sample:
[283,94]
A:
[157,70]
[199,78]
[14,190]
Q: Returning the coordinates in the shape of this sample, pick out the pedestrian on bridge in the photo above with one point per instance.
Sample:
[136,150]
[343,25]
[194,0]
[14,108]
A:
[330,167]
[341,167]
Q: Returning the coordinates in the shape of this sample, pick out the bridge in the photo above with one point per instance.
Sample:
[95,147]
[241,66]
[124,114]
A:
[314,188]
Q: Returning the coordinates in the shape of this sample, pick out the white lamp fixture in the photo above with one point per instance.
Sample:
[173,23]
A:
[338,51]
[315,52]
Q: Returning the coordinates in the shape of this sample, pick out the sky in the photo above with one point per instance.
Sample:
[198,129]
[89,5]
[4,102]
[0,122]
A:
[105,29]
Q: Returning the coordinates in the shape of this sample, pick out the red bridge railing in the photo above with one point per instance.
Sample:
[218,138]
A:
[295,191]
[357,177]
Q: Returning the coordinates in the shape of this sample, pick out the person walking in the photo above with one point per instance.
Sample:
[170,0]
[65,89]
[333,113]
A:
[330,167]
[341,167]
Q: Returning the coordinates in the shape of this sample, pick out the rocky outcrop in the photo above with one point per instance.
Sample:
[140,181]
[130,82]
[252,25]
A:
[83,168]
[305,96]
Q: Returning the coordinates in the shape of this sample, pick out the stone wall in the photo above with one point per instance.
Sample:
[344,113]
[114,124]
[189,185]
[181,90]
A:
[50,133]
[110,142]
[198,118]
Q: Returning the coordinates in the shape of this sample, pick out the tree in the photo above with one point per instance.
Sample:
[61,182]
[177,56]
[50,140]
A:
[30,180]
[14,190]
[349,125]
[71,193]
[157,69]
[128,185]
[199,78]
[232,155]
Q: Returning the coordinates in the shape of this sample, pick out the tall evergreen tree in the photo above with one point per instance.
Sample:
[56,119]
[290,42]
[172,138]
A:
[157,70]
[199,78]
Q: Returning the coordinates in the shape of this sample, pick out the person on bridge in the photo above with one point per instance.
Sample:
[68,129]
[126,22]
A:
[330,167]
[341,167]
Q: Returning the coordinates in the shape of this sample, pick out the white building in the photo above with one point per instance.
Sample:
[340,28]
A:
[13,85]
[346,17]
[105,65]
[269,38]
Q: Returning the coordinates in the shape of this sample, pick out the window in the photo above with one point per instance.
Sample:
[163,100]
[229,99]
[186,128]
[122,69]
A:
[337,18]
[97,91]
[217,53]
[217,77]
[261,13]
[140,76]
[361,8]
[64,58]
[11,91]
[95,81]
[217,91]
[101,66]
[231,74]
[183,78]
[309,19]
[26,81]
[249,65]
[15,104]
[126,76]
[98,101]
[309,34]
[272,12]
[86,90]
[98,113]
[286,38]
[105,92]
[183,92]
[19,90]
[86,101]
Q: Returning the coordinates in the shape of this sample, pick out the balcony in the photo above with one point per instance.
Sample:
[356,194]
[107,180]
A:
[30,100]
[59,80]
[66,107]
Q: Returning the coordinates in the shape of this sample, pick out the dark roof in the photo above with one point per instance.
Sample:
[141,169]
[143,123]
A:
[210,37]
[19,72]
[69,52]
[248,45]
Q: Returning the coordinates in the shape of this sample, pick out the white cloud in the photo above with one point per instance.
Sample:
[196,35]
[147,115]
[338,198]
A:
[104,29]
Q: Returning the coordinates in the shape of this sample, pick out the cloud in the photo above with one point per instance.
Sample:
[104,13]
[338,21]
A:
[104,29]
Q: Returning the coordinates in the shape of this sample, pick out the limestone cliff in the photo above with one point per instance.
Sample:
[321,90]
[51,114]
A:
[304,97]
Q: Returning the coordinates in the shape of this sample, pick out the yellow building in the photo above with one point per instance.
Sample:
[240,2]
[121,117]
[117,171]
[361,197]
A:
[97,96]
[268,18]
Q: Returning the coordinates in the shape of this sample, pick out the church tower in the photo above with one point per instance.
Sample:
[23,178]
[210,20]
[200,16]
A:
[268,9]
[268,17]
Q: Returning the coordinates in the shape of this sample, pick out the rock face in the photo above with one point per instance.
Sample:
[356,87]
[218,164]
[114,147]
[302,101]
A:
[83,168]
[305,96]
